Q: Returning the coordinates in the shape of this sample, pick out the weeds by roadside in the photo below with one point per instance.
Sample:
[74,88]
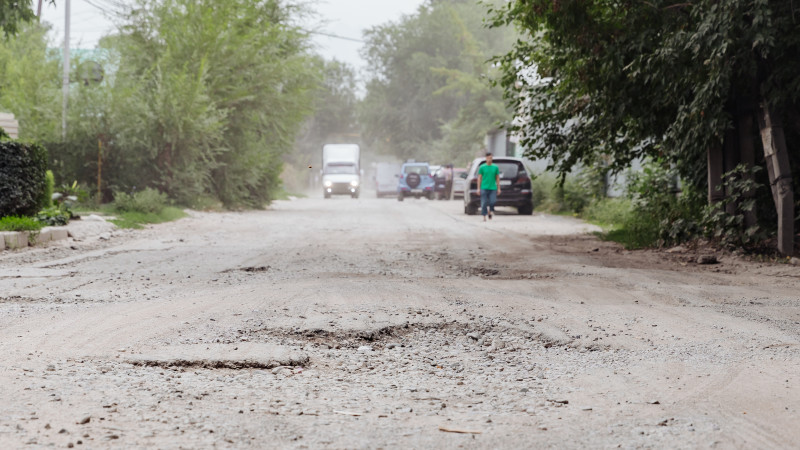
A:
[656,210]
[137,219]
[144,207]
[54,216]
[19,223]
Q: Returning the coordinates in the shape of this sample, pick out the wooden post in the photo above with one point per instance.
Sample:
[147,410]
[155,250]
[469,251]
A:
[99,171]
[780,174]
[65,75]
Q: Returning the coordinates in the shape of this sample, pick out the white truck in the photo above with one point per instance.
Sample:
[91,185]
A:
[341,170]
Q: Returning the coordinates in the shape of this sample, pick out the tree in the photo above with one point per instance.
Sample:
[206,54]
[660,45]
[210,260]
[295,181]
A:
[29,88]
[14,12]
[203,99]
[682,81]
[427,94]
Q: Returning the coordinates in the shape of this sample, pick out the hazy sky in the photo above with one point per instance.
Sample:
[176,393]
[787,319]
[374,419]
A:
[347,18]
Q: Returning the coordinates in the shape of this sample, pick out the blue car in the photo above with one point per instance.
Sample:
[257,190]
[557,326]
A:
[416,180]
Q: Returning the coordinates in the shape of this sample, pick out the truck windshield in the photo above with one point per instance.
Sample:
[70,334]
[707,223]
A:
[336,169]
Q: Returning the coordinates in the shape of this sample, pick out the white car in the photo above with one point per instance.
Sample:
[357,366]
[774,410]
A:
[386,178]
[459,181]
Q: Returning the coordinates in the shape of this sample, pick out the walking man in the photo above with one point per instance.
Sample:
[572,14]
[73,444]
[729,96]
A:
[488,186]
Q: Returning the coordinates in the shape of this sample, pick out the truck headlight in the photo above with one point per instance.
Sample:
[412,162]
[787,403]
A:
[354,183]
[328,183]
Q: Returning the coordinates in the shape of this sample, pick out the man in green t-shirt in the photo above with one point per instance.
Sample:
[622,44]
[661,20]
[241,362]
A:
[488,186]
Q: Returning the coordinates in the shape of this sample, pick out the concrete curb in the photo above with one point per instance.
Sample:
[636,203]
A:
[13,240]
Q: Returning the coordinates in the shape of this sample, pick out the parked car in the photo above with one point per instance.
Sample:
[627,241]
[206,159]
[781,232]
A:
[444,182]
[459,180]
[415,180]
[515,186]
[386,178]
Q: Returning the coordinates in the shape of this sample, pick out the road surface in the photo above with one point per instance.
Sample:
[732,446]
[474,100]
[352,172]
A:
[377,324]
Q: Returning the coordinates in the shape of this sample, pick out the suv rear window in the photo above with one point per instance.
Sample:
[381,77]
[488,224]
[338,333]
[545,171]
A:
[508,169]
[420,170]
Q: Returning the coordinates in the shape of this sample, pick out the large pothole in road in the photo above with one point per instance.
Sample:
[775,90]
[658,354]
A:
[409,332]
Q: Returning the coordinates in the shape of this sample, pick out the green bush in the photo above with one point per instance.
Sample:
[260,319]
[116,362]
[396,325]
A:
[18,223]
[728,229]
[573,195]
[23,178]
[541,190]
[148,201]
[54,216]
[609,212]
[661,213]
[136,219]
[654,212]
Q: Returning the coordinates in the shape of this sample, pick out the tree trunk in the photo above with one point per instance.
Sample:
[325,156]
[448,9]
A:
[748,157]
[780,174]
[715,165]
[731,159]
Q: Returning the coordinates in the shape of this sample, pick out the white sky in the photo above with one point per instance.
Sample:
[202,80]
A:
[347,18]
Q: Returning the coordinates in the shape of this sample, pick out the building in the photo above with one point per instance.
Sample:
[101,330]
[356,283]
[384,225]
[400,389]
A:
[9,124]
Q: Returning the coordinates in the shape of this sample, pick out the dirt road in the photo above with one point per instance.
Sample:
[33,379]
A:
[378,324]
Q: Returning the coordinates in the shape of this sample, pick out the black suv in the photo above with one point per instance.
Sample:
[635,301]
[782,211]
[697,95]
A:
[515,185]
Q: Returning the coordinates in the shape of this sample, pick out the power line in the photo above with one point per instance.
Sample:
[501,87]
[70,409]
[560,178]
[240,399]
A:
[336,36]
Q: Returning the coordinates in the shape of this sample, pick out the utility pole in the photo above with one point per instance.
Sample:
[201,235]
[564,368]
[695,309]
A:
[65,85]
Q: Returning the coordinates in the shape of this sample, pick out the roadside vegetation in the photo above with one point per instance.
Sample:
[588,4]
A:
[17,223]
[656,210]
[144,207]
[197,99]
[709,91]
[429,94]
[189,103]
[137,219]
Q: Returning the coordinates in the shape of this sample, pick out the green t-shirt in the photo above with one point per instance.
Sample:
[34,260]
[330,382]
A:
[488,176]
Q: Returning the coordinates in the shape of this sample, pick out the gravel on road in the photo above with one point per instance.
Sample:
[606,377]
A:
[375,324]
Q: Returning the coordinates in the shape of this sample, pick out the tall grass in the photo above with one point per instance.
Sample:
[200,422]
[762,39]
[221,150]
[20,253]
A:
[651,213]
[144,207]
[19,223]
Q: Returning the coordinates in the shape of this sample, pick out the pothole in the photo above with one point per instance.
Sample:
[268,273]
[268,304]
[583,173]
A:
[353,338]
[484,272]
[543,334]
[40,300]
[220,356]
[254,269]
[232,364]
[19,299]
